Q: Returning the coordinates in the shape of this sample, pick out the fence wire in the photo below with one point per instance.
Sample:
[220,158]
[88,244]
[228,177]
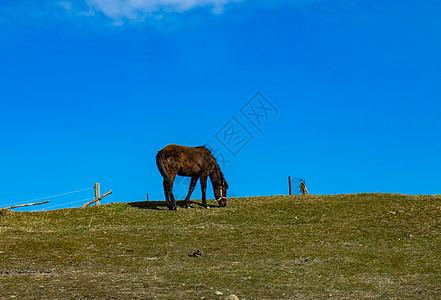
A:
[63,204]
[295,184]
[53,196]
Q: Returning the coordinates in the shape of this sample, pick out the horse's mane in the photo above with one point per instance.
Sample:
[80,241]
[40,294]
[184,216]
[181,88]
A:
[208,150]
[220,171]
[211,153]
[205,147]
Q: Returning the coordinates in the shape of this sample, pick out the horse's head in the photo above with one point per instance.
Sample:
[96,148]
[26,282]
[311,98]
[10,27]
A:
[220,193]
[220,185]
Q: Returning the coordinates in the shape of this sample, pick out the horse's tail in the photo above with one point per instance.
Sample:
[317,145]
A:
[160,165]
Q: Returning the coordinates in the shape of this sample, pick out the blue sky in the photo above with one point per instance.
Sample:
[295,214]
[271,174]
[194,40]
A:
[91,90]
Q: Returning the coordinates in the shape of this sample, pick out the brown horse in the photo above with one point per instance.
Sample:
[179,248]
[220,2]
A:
[194,162]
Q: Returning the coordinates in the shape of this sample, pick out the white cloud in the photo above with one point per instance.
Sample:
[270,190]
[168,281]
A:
[67,5]
[137,9]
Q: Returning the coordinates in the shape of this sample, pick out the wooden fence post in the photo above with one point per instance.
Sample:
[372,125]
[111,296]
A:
[97,193]
[98,197]
[289,182]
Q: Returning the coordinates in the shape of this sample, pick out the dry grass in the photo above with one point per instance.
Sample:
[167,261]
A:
[343,247]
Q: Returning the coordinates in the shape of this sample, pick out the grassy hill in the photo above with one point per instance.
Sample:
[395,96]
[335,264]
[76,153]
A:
[343,246]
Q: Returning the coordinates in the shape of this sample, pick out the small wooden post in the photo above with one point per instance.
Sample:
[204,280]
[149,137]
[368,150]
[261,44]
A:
[97,193]
[148,197]
[289,182]
[303,188]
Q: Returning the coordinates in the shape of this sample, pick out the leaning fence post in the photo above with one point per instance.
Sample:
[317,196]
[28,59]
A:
[289,182]
[24,205]
[303,188]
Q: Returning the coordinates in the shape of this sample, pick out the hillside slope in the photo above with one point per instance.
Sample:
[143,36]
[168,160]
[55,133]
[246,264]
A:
[343,246]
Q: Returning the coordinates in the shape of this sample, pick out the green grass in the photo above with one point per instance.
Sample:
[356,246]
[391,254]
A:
[368,246]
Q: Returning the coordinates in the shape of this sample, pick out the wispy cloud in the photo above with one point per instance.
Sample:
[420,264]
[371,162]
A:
[154,11]
[138,10]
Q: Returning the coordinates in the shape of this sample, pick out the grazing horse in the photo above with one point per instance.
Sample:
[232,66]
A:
[194,162]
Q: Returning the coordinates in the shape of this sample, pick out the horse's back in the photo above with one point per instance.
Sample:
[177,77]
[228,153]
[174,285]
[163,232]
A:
[174,151]
[178,151]
[185,160]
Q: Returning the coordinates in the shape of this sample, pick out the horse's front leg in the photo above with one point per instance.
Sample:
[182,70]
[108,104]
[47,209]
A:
[190,190]
[204,190]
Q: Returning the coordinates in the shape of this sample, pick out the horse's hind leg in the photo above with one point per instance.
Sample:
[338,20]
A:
[190,190]
[166,184]
[168,191]
[172,203]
